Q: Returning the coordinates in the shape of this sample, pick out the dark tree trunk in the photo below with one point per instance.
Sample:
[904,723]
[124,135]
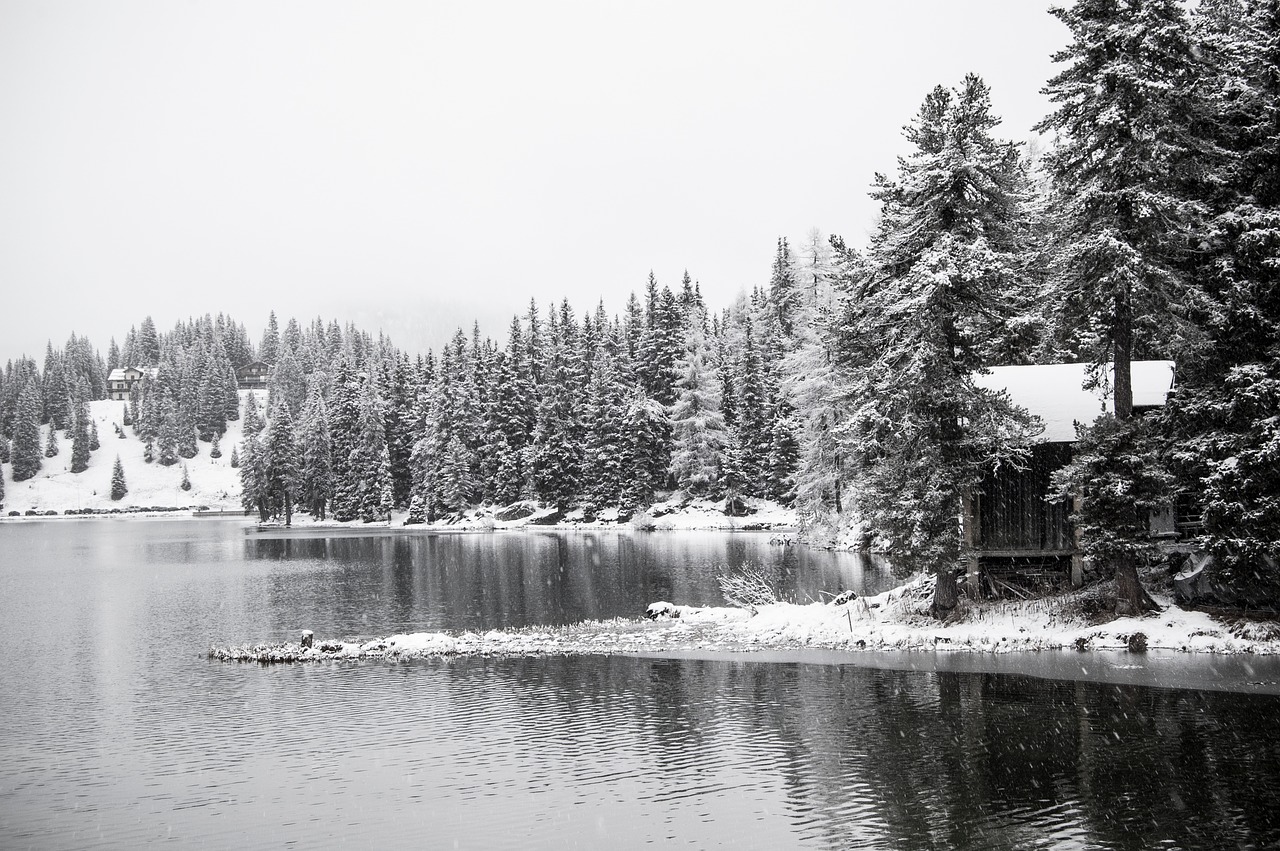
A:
[946,592]
[1131,597]
[1122,360]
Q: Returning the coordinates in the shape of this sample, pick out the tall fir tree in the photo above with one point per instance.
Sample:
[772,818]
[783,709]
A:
[697,428]
[1222,423]
[921,433]
[26,450]
[315,480]
[278,486]
[554,454]
[1126,169]
[252,474]
[80,431]
[344,431]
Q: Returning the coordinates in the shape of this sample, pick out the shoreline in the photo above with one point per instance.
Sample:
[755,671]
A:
[895,622]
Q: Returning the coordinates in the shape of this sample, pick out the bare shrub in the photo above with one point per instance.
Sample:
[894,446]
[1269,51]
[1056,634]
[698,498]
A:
[748,587]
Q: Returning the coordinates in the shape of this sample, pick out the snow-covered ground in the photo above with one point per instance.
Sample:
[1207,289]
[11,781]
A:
[214,482]
[896,620]
[677,513]
[215,485]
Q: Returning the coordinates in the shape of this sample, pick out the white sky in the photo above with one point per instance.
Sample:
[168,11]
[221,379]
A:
[416,164]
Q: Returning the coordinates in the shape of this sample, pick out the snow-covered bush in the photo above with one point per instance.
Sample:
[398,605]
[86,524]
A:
[747,587]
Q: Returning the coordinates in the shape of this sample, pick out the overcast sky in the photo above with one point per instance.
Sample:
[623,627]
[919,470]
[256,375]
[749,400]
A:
[412,165]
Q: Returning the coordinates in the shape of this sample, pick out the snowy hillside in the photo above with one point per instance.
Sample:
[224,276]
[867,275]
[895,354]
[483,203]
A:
[214,482]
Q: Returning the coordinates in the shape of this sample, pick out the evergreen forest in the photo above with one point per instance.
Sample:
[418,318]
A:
[1147,226]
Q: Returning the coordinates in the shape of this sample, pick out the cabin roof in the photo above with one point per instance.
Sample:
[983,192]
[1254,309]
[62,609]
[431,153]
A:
[119,373]
[1056,392]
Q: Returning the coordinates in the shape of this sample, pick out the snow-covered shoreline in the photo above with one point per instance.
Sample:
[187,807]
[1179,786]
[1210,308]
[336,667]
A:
[895,621]
[676,514]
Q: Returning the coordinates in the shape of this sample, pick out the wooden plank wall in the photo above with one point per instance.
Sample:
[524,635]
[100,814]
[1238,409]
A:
[1013,514]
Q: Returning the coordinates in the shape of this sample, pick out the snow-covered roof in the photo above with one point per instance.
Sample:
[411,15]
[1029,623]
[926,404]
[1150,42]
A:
[1056,392]
[118,374]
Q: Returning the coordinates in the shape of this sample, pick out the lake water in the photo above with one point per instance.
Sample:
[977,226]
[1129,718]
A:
[116,731]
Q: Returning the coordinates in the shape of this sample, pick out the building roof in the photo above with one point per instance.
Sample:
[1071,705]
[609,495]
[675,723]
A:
[118,374]
[1056,392]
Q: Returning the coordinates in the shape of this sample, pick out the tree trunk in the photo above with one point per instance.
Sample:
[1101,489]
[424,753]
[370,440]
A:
[1122,360]
[946,592]
[1131,597]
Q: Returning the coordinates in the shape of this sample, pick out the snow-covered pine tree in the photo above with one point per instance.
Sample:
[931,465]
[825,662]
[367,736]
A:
[278,485]
[184,424]
[287,383]
[456,484]
[944,253]
[752,433]
[57,392]
[1115,472]
[370,460]
[404,425]
[646,429]
[344,435]
[230,391]
[185,484]
[80,437]
[1124,167]
[316,476]
[148,343]
[511,417]
[252,473]
[51,442]
[118,487]
[783,296]
[269,348]
[211,415]
[697,429]
[235,457]
[1223,421]
[253,422]
[810,377]
[554,455]
[167,439]
[605,447]
[784,452]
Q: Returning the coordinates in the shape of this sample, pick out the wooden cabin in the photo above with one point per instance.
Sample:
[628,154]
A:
[253,375]
[1010,527]
[123,379]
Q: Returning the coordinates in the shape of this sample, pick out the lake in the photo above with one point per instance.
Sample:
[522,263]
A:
[118,732]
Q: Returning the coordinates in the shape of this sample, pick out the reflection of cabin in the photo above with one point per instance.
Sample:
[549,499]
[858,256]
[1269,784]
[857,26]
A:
[124,379]
[253,375]
[1009,526]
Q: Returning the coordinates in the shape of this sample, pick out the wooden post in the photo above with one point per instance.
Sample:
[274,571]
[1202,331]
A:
[969,522]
